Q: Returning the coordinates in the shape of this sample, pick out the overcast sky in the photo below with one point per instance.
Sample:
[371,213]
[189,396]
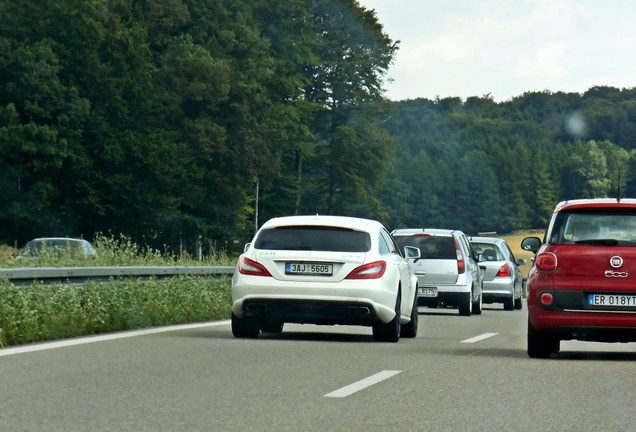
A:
[507,47]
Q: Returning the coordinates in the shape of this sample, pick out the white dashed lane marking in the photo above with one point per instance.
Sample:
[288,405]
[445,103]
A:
[479,338]
[362,384]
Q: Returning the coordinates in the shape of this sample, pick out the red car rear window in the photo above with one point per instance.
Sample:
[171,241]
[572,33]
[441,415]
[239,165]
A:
[611,227]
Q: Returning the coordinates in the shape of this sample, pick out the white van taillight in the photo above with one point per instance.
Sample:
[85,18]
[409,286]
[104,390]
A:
[546,262]
[250,267]
[461,266]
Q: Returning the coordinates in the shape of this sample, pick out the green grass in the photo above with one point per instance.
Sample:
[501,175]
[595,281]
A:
[48,312]
[6,254]
[113,251]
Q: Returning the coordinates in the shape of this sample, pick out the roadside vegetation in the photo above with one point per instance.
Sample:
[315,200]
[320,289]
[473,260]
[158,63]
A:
[115,251]
[48,312]
[7,255]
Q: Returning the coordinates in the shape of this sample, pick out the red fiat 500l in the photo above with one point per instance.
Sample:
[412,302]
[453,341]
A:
[583,282]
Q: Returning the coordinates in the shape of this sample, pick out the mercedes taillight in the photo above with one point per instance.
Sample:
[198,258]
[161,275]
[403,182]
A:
[250,267]
[372,270]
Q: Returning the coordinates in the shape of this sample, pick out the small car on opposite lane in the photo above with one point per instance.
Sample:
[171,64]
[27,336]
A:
[502,277]
[324,270]
[58,246]
[583,282]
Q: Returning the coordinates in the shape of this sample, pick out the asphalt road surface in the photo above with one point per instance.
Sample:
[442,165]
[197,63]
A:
[459,374]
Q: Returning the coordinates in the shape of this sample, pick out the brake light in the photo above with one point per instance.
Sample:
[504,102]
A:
[372,270]
[504,271]
[461,267]
[546,262]
[247,266]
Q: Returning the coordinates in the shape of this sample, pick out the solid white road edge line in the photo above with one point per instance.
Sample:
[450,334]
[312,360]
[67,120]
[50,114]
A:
[106,337]
[362,384]
[480,337]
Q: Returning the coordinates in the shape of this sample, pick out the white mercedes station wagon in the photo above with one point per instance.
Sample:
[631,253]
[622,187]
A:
[324,270]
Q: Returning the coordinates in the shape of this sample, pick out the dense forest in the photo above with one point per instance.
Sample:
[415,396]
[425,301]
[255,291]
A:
[186,122]
[486,166]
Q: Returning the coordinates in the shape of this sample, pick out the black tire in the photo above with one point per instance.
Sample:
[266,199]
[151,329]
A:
[245,327]
[272,327]
[518,303]
[540,345]
[409,330]
[477,305]
[466,308]
[509,304]
[389,332]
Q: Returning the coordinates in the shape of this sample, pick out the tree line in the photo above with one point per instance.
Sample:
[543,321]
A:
[479,165]
[183,123]
[158,118]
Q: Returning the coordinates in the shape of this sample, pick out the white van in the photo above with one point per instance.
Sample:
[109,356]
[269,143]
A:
[448,270]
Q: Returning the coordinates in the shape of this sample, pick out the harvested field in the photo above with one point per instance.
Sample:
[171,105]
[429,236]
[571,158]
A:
[514,241]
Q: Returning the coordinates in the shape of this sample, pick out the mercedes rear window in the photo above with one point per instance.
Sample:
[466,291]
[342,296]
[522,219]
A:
[313,238]
[431,247]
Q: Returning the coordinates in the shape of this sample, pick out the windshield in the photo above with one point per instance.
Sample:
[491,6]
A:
[598,227]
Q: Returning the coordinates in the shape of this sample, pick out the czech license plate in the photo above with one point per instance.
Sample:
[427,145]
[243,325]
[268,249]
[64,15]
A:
[612,300]
[311,269]
[427,292]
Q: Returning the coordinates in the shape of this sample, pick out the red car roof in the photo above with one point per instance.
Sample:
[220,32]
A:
[604,203]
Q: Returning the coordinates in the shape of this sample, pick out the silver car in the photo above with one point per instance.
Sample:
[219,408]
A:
[503,280]
[58,246]
[448,270]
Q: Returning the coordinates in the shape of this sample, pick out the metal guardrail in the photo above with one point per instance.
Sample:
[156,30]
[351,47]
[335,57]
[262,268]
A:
[78,275]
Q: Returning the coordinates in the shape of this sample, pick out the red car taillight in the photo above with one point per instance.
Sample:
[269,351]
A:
[461,267]
[546,262]
[504,271]
[372,270]
[247,266]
